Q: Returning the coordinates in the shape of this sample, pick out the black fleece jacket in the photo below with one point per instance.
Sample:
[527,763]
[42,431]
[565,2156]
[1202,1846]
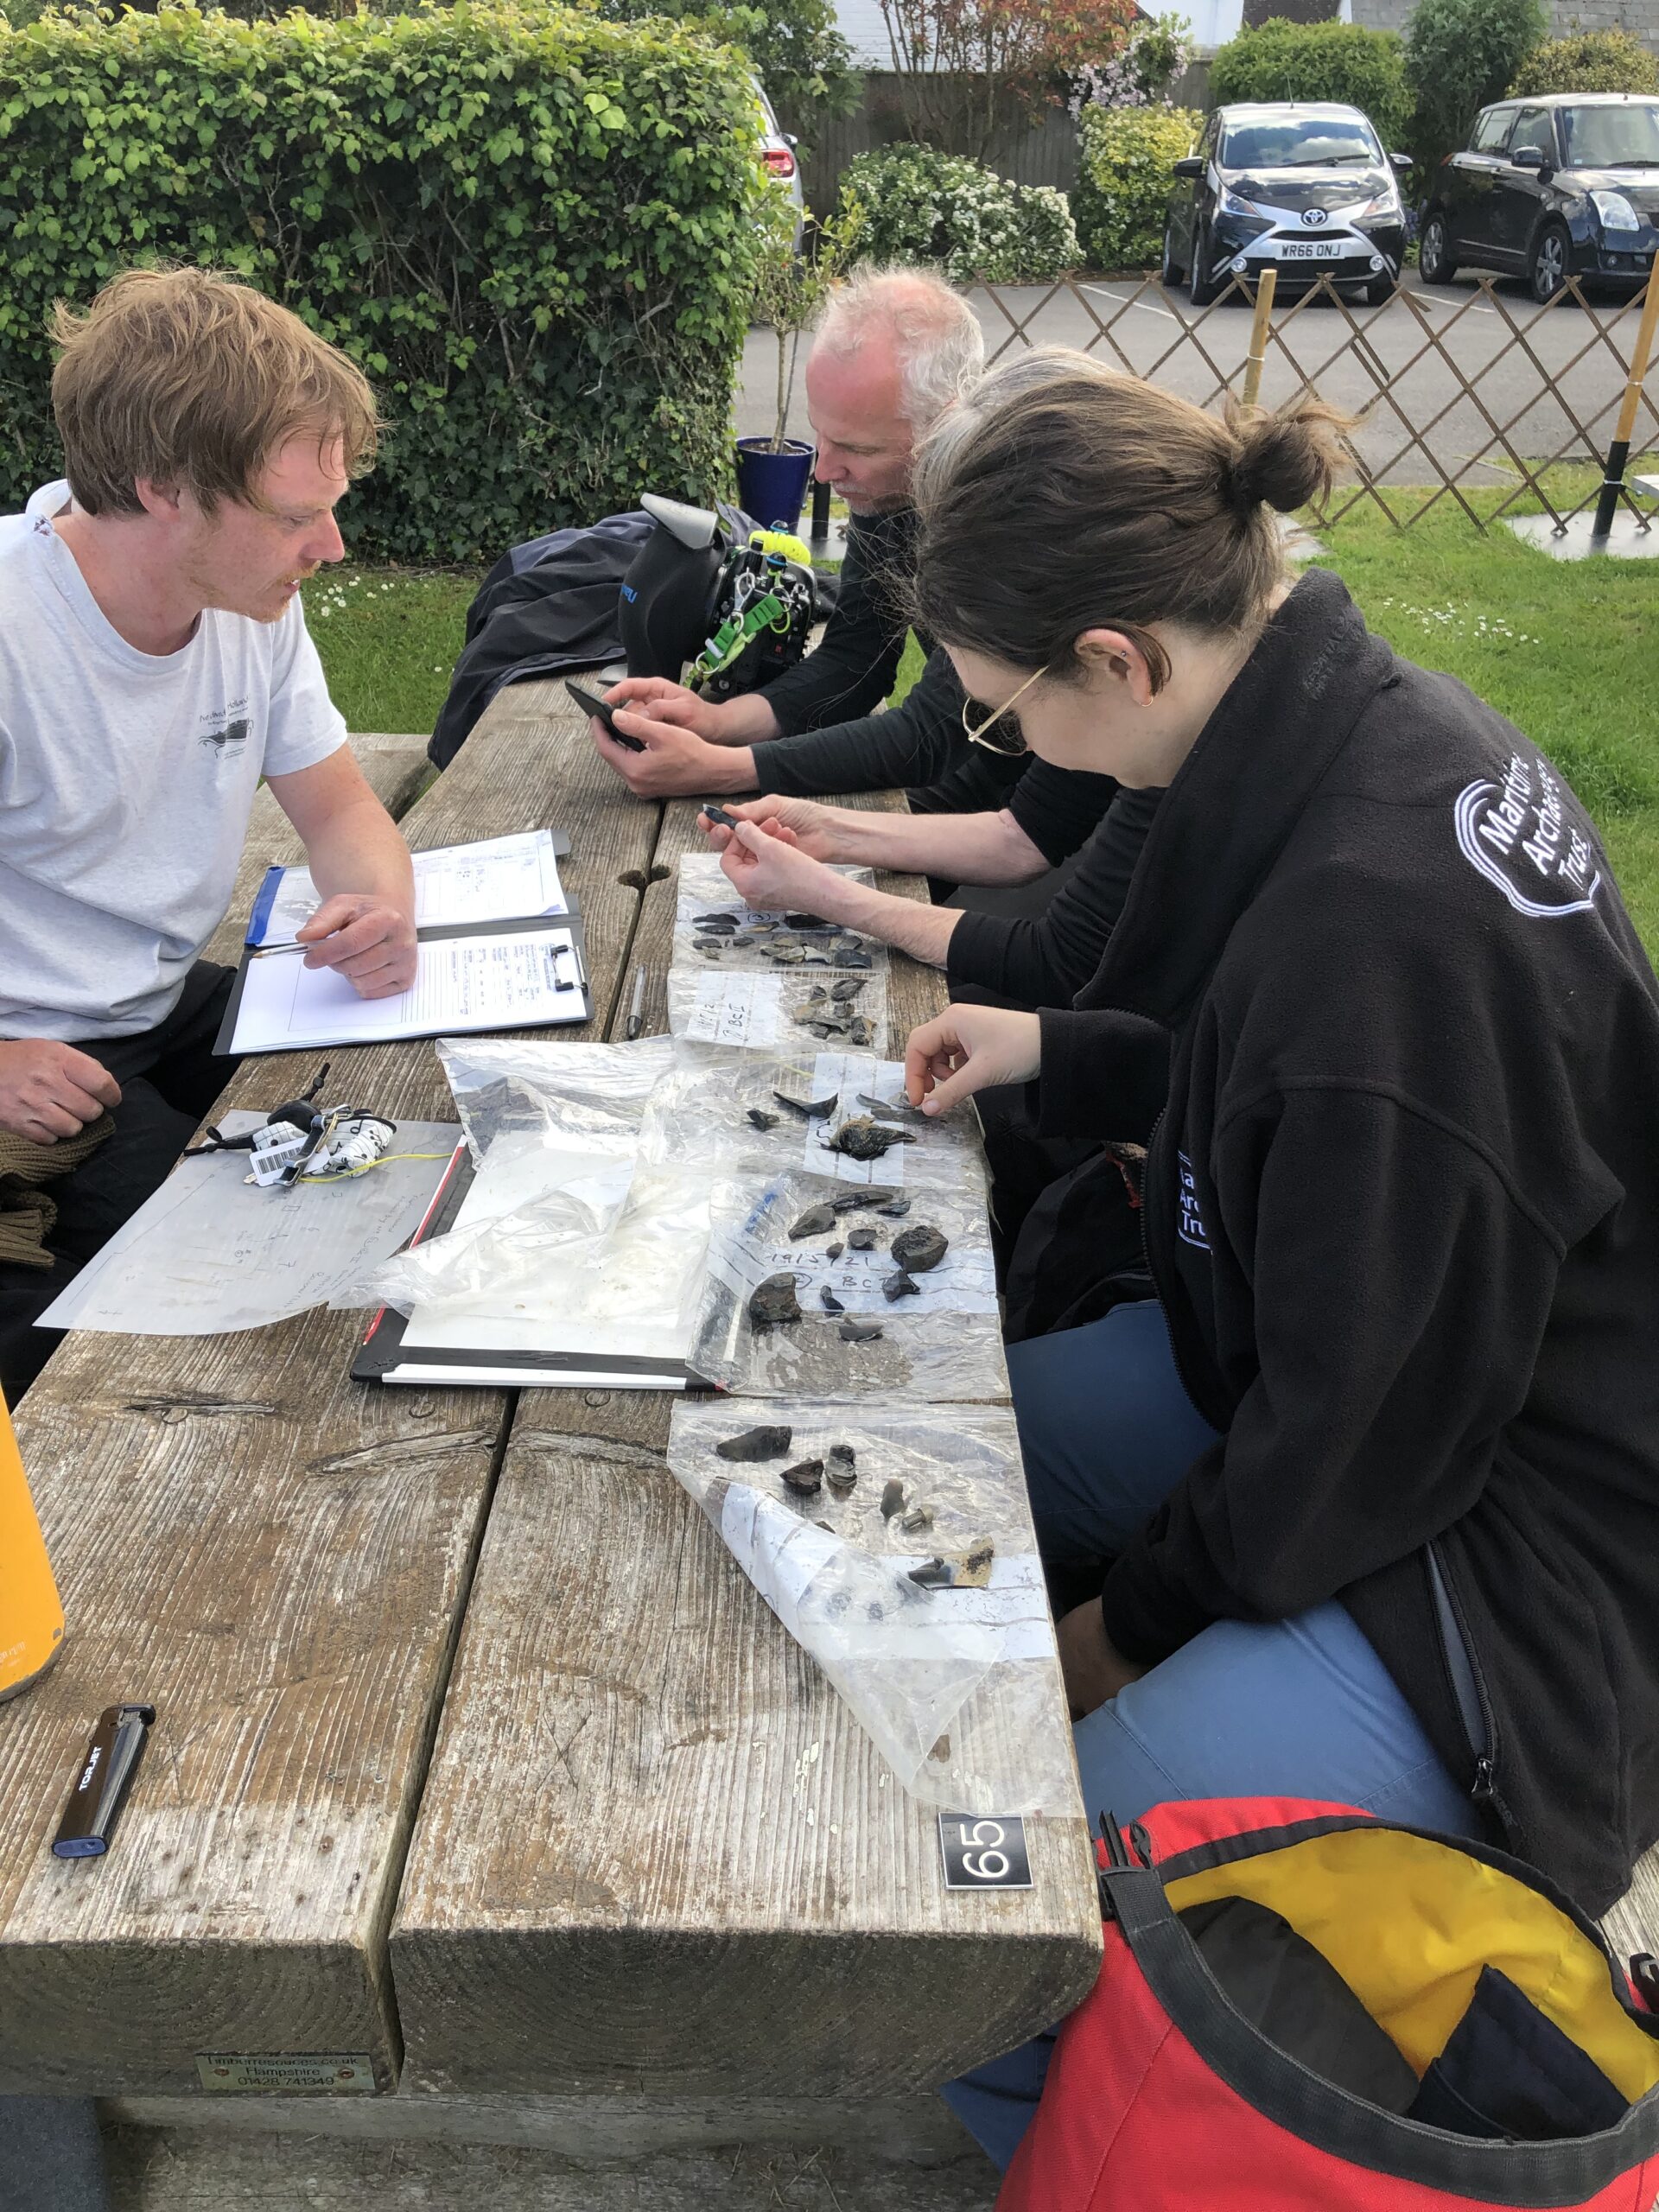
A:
[834,740]
[1397,1069]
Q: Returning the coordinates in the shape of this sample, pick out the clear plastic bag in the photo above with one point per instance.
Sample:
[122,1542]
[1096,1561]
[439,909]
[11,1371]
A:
[727,988]
[571,1097]
[941,1341]
[557,1216]
[958,1685]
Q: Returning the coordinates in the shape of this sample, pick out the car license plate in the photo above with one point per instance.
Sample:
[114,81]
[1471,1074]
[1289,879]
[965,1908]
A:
[1310,249]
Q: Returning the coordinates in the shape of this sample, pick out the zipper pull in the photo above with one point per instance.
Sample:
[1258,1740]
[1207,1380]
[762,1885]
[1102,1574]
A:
[1484,1789]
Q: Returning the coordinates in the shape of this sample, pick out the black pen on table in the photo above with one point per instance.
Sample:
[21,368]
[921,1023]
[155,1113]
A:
[637,1008]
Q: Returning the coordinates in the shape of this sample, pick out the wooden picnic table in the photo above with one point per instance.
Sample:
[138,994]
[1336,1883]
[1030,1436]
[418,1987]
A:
[477,1765]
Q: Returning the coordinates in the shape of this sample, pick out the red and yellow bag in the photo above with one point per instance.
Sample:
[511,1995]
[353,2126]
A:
[1304,2008]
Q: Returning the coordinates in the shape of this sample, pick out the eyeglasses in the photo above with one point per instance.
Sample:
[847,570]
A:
[978,731]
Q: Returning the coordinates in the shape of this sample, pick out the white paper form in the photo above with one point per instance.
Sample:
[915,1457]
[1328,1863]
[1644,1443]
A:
[492,879]
[511,980]
[209,1253]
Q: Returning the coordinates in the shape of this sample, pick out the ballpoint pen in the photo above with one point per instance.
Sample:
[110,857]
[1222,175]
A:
[637,1008]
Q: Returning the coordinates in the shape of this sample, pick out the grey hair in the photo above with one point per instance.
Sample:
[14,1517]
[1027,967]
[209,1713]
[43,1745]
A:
[936,336]
[954,433]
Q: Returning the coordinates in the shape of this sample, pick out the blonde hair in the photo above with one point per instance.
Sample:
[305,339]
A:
[192,380]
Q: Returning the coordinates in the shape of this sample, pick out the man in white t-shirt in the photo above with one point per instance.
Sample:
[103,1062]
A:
[154,666]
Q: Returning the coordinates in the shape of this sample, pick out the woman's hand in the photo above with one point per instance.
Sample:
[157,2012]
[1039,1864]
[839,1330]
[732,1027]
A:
[969,1048]
[801,822]
[1094,1669]
[770,872]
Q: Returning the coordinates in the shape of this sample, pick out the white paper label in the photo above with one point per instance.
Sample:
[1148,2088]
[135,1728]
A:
[742,1010]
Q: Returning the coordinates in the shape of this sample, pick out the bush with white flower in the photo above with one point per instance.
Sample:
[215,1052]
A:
[911,203]
[1159,48]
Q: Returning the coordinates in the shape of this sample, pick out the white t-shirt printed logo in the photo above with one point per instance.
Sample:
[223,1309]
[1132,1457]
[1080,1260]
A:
[1189,1218]
[1518,835]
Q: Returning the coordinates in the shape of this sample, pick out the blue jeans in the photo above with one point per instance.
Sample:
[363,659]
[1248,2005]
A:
[1293,1708]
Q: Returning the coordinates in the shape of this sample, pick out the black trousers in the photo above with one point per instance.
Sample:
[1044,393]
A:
[169,1077]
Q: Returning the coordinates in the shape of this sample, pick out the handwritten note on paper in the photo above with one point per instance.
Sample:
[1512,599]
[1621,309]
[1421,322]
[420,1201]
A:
[739,1010]
[513,981]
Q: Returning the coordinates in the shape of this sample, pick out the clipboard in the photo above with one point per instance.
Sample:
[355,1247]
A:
[383,1356]
[572,1002]
[480,849]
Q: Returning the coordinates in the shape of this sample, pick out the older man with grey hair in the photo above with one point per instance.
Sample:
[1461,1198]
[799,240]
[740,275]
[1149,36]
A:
[896,350]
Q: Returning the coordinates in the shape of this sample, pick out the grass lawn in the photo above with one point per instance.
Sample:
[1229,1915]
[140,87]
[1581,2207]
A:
[1563,648]
[389,639]
[1557,646]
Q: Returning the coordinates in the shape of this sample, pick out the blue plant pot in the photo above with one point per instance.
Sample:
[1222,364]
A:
[772,486]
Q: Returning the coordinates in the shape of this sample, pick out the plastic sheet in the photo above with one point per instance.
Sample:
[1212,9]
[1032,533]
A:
[942,1341]
[207,1253]
[958,1686]
[742,997]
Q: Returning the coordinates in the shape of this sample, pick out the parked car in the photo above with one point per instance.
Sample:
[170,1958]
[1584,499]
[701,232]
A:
[1303,187]
[778,157]
[1565,185]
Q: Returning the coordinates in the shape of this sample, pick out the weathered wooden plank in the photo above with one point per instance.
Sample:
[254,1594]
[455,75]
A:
[396,767]
[624,2125]
[277,1558]
[654,1849]
[1633,1923]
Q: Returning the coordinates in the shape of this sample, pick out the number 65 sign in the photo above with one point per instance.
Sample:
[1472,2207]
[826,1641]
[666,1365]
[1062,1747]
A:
[984,1850]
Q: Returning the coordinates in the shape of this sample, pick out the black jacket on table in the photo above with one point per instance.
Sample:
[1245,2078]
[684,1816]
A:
[1396,1067]
[834,740]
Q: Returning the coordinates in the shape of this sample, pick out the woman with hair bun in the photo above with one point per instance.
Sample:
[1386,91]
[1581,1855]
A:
[1364,1505]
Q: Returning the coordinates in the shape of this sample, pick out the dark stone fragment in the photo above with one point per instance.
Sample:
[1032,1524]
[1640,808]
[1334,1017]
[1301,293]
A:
[918,1250]
[803,921]
[850,960]
[829,1302]
[896,1110]
[892,1497]
[899,1285]
[711,948]
[841,1468]
[817,1109]
[834,1251]
[774,1302]
[805,1477]
[861,1240]
[851,1201]
[897,1207]
[860,1333]
[763,1121]
[756,1444]
[848,988]
[933,1574]
[813,1223]
[719,924]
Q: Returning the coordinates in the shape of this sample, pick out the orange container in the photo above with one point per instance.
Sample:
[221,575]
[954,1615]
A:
[31,1616]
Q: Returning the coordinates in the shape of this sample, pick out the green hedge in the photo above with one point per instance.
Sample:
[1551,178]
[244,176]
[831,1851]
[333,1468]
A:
[1318,61]
[534,230]
[1460,54]
[909,203]
[1592,61]
[1126,165]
